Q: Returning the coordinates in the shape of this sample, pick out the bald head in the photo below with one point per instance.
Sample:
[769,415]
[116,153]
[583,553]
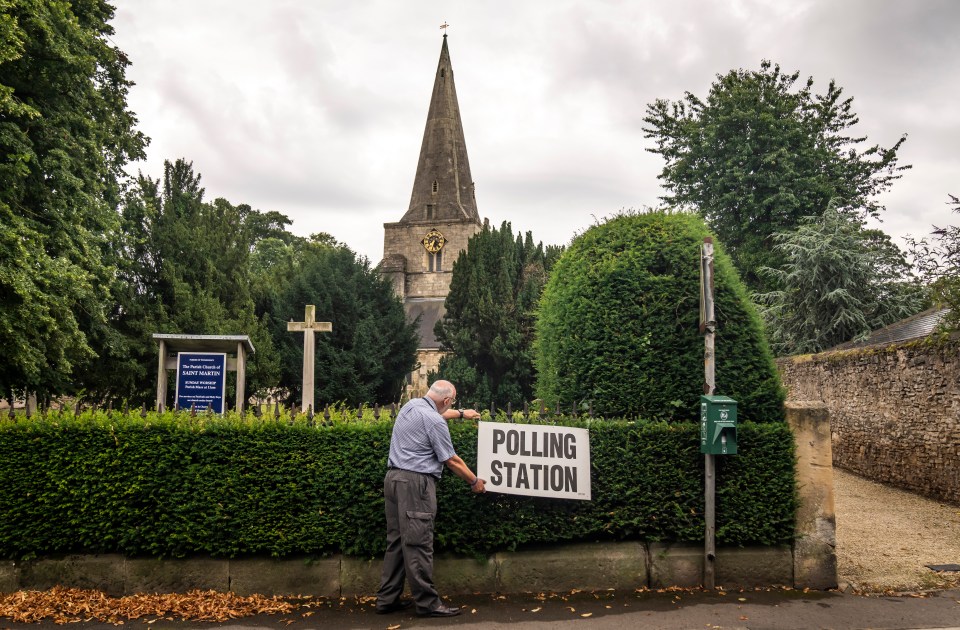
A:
[443,393]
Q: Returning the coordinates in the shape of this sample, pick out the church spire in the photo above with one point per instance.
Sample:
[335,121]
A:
[443,187]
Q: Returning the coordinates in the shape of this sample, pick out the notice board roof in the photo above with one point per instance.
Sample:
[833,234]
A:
[204,343]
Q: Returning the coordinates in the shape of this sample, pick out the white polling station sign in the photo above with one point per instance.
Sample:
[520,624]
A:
[534,460]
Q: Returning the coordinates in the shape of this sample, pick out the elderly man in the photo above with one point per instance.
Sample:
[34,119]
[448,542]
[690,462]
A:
[420,447]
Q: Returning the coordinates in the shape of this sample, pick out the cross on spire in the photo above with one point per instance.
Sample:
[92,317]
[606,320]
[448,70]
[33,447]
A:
[308,326]
[444,28]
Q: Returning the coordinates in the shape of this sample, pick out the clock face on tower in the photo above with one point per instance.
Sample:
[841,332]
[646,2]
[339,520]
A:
[434,241]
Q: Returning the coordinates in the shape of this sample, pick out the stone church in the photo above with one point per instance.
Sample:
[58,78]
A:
[419,250]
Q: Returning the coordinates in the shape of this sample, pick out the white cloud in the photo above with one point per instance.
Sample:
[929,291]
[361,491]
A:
[316,109]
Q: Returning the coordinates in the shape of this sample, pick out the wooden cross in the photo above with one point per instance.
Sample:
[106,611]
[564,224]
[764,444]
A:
[308,326]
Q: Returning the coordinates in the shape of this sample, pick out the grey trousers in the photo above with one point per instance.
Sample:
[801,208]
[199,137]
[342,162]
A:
[411,506]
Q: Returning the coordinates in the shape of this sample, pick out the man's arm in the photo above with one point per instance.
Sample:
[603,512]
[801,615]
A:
[460,469]
[454,414]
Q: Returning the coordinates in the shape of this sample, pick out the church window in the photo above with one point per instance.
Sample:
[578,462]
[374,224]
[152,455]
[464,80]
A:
[435,261]
[436,186]
[429,210]
[441,72]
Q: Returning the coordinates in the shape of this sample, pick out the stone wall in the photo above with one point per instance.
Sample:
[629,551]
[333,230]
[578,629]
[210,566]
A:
[895,411]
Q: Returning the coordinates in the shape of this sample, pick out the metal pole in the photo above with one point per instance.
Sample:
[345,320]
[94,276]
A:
[708,327]
[709,513]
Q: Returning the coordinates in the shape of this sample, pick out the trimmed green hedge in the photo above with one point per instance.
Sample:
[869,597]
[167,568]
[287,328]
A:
[619,324]
[171,485]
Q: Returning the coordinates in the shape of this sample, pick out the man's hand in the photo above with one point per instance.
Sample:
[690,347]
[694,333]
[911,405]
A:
[471,414]
[479,487]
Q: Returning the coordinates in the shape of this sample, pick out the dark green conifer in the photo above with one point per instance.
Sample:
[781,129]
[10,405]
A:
[372,347]
[490,314]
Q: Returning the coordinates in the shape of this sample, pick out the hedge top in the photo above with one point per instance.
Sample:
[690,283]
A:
[174,484]
[619,324]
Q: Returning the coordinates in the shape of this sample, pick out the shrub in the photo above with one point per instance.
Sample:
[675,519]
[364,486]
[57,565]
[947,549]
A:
[173,485]
[619,324]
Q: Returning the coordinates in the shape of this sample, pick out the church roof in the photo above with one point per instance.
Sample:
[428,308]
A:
[443,186]
[430,311]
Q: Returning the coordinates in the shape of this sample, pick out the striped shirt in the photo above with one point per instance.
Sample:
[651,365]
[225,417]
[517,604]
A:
[421,439]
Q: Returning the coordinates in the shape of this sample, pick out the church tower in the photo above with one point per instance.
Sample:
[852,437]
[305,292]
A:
[419,250]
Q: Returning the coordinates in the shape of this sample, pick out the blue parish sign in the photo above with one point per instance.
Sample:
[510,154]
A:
[201,380]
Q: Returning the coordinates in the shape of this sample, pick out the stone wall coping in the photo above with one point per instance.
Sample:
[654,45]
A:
[585,566]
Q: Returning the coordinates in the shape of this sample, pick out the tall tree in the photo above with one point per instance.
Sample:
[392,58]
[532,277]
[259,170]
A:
[65,135]
[837,281]
[761,152]
[938,261]
[372,347]
[490,316]
[183,267]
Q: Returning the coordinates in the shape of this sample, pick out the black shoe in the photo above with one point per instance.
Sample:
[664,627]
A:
[400,604]
[443,611]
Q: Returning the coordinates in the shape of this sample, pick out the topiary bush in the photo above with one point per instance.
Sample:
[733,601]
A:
[618,324]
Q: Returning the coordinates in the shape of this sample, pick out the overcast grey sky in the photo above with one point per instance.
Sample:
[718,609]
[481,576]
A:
[316,108]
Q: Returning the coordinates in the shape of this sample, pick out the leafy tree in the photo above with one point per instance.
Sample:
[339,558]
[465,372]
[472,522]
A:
[183,267]
[372,347]
[760,153]
[65,135]
[939,265]
[618,324]
[837,281]
[488,327]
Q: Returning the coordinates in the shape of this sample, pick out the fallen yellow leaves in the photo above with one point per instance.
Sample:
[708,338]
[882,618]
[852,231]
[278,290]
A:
[66,605]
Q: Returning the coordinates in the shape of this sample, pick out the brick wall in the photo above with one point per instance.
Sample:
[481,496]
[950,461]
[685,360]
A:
[895,411]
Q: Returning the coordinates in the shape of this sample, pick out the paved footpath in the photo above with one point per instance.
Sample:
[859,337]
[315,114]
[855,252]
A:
[774,610]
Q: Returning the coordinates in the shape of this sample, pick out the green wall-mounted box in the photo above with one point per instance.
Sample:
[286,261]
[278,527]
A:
[718,425]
